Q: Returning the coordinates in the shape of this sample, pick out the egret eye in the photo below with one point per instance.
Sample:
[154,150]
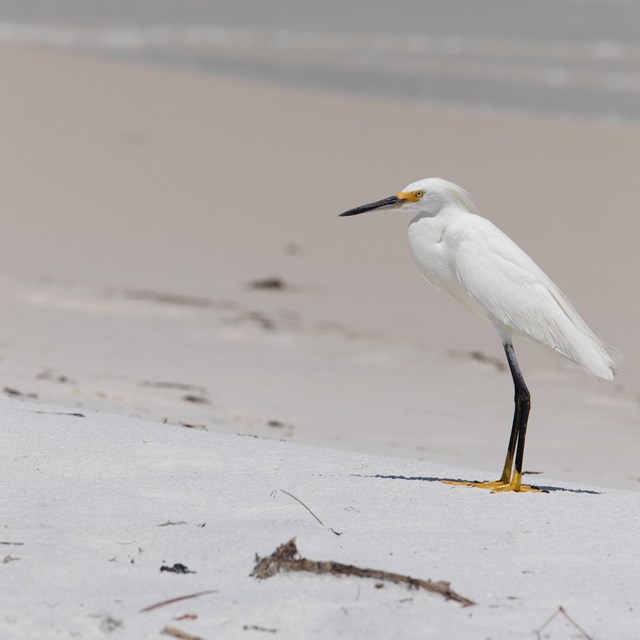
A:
[418,194]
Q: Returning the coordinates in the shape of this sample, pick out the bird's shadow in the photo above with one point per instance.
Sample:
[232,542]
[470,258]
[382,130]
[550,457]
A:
[543,488]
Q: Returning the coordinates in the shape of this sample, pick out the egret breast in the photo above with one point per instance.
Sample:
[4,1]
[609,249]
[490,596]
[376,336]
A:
[429,248]
[434,245]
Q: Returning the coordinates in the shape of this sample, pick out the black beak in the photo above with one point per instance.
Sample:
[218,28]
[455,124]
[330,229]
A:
[387,202]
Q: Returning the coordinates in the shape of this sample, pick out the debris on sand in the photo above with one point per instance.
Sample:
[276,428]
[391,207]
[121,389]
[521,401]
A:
[164,603]
[255,627]
[273,282]
[198,427]
[179,633]
[178,386]
[52,376]
[14,393]
[178,567]
[286,558]
[191,397]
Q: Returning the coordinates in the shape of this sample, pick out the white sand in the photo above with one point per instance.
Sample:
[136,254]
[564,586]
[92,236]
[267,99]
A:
[88,499]
[137,205]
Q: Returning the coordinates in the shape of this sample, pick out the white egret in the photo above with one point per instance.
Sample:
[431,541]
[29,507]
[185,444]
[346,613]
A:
[466,255]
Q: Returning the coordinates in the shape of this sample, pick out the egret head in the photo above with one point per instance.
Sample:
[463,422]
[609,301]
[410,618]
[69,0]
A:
[427,196]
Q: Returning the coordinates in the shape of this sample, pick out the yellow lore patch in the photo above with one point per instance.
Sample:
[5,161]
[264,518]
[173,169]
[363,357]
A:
[410,196]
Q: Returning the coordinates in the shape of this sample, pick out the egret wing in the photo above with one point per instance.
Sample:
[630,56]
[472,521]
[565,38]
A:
[505,285]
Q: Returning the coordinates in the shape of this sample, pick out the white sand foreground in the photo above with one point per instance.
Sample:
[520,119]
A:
[94,506]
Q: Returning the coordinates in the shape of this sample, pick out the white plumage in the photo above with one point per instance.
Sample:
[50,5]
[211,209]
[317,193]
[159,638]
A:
[466,255]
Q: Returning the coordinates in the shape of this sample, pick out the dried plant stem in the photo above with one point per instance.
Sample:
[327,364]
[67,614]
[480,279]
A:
[151,607]
[286,558]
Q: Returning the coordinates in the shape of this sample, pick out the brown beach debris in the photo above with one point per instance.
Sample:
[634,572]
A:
[179,633]
[52,376]
[178,567]
[337,533]
[196,399]
[8,559]
[273,282]
[14,393]
[164,603]
[256,627]
[560,611]
[198,427]
[287,558]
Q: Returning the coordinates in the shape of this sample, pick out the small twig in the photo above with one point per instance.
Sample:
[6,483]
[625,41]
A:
[561,611]
[338,533]
[8,559]
[179,633]
[198,427]
[255,627]
[164,603]
[304,505]
[286,558]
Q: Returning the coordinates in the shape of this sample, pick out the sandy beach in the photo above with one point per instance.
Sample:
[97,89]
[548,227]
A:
[140,203]
[135,529]
[174,278]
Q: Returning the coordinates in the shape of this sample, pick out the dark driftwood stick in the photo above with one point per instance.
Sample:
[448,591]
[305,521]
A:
[286,558]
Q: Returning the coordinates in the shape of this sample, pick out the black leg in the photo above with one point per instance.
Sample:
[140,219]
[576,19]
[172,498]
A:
[511,449]
[515,452]
[521,414]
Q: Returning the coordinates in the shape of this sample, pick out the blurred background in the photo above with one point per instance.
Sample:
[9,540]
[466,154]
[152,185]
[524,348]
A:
[561,57]
[171,175]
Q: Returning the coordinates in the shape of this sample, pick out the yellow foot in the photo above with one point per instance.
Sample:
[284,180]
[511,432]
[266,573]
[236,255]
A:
[523,488]
[496,485]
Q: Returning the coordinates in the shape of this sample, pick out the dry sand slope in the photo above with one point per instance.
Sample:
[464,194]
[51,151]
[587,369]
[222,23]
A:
[138,203]
[95,505]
